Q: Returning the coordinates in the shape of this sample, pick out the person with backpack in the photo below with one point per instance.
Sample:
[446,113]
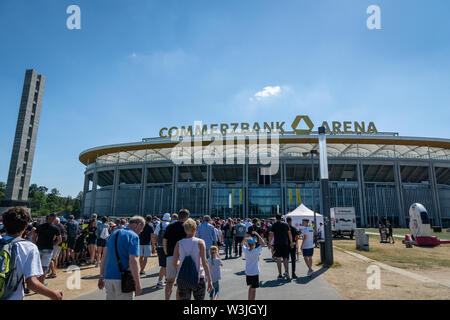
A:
[159,232]
[190,255]
[239,234]
[103,232]
[24,263]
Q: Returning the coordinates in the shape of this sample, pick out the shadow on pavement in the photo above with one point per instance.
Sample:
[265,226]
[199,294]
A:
[150,289]
[240,273]
[306,279]
[269,260]
[150,275]
[91,277]
[273,283]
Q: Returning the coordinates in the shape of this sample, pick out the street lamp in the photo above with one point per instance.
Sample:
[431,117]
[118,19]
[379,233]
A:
[305,154]
[325,196]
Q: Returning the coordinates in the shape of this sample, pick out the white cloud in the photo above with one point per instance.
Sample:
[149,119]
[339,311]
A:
[266,93]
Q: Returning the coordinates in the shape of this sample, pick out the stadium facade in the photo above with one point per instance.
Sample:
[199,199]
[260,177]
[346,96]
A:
[210,171]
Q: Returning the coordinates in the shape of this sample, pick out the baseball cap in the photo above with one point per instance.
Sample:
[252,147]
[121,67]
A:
[251,241]
[166,217]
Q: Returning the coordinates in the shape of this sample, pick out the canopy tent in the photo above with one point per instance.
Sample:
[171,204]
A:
[303,212]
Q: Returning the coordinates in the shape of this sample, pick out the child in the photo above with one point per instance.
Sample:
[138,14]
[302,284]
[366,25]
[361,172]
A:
[214,265]
[252,253]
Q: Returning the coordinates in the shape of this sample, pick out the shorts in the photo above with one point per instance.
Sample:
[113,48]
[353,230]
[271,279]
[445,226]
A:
[161,257]
[46,257]
[308,252]
[101,242]
[253,281]
[56,252]
[145,250]
[215,290]
[198,293]
[71,242]
[91,241]
[171,271]
[281,251]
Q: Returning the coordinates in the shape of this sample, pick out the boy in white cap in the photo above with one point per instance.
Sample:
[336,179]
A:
[251,253]
[159,233]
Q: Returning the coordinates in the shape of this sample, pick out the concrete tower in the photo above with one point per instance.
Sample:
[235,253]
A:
[24,141]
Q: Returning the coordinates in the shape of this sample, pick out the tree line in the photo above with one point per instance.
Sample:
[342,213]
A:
[43,202]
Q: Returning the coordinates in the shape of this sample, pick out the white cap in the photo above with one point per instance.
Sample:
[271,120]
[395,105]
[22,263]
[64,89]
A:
[57,220]
[166,217]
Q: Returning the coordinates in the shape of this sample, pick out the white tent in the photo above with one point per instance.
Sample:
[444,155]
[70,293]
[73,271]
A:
[303,212]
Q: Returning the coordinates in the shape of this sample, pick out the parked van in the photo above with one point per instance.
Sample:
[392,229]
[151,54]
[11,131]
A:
[343,221]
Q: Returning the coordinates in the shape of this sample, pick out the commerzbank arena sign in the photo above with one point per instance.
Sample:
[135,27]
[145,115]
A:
[302,125]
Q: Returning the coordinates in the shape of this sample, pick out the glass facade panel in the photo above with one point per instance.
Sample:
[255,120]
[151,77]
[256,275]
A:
[263,202]
[128,197]
[381,204]
[297,194]
[103,201]
[192,197]
[158,200]
[220,202]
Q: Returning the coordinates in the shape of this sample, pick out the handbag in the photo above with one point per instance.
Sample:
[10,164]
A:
[128,284]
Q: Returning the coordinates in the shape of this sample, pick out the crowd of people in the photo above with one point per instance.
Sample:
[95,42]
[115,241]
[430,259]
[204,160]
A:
[188,251]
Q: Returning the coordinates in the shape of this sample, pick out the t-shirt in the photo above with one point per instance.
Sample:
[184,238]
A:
[72,228]
[218,234]
[46,233]
[309,233]
[240,230]
[28,265]
[145,236]
[63,232]
[251,260]
[127,245]
[294,233]
[247,225]
[174,233]
[92,232]
[280,233]
[215,269]
[228,231]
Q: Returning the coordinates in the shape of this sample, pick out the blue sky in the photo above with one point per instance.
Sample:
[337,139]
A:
[136,66]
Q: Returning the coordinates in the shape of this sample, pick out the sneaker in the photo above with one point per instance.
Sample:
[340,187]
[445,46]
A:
[310,272]
[294,276]
[280,277]
[286,276]
[142,272]
[26,291]
[160,284]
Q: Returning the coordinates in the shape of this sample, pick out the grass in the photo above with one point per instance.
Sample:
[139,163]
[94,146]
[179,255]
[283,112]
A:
[399,256]
[401,232]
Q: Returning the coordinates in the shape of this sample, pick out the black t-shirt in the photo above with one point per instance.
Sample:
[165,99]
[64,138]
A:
[174,233]
[227,231]
[63,232]
[46,233]
[253,228]
[92,232]
[146,235]
[294,233]
[280,233]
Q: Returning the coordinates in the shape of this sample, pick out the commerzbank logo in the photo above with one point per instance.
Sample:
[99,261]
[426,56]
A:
[298,122]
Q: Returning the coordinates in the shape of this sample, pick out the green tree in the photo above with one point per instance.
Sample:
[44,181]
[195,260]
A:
[2,190]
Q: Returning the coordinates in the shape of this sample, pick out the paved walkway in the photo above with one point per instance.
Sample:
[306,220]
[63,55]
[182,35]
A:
[233,285]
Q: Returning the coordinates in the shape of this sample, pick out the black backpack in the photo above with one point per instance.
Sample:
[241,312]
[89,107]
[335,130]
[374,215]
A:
[161,234]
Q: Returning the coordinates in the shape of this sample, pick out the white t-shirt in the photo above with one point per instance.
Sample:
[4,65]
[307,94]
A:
[251,260]
[158,227]
[28,265]
[247,224]
[309,233]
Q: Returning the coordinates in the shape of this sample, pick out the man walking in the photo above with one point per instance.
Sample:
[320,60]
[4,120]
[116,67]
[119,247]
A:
[72,232]
[239,236]
[145,248]
[174,233]
[123,246]
[207,233]
[308,245]
[47,236]
[281,234]
[159,232]
[293,250]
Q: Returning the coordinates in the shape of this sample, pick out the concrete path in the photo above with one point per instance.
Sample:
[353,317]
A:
[233,285]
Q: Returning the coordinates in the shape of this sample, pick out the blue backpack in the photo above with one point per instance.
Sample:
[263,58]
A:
[188,274]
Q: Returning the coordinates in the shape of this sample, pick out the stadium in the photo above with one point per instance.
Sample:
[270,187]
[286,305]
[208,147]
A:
[380,174]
